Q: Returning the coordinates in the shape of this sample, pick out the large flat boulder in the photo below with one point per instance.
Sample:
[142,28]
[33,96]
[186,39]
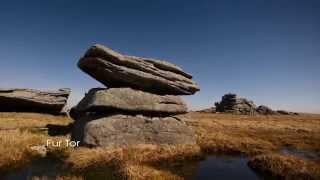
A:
[30,100]
[127,129]
[117,70]
[100,100]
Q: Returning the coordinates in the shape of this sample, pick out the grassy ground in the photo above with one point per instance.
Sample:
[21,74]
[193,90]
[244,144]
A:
[285,166]
[13,120]
[259,137]
[255,134]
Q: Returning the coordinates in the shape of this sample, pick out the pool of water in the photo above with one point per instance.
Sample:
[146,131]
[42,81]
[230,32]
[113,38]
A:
[213,167]
[224,168]
[49,168]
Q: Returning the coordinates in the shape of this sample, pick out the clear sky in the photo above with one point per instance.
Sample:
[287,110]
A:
[265,50]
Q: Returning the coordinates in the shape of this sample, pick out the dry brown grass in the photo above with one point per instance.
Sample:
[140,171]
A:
[216,133]
[252,135]
[135,162]
[285,166]
[15,149]
[11,120]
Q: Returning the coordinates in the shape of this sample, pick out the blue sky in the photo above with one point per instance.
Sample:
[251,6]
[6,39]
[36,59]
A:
[265,50]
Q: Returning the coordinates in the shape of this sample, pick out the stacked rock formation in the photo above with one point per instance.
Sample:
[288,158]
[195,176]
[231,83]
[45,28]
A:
[139,105]
[30,100]
[230,103]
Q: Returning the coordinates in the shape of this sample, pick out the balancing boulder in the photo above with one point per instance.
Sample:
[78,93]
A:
[116,70]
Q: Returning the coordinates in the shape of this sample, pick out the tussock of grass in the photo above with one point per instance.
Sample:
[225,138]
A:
[221,143]
[15,149]
[85,158]
[140,161]
[285,166]
[162,153]
[138,172]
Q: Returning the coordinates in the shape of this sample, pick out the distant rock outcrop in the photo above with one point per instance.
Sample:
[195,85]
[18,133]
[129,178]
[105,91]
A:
[230,103]
[265,110]
[283,112]
[30,100]
[139,105]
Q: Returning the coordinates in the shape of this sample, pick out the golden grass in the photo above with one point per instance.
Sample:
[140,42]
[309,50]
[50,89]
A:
[135,162]
[138,172]
[285,166]
[252,135]
[216,133]
[11,120]
[15,149]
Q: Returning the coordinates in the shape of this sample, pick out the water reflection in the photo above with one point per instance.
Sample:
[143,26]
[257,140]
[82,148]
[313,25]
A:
[213,167]
[224,167]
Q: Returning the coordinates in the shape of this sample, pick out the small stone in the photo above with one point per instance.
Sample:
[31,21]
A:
[39,149]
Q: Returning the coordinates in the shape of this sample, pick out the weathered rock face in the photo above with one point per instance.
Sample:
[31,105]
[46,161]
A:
[116,70]
[130,101]
[128,129]
[139,104]
[265,110]
[233,104]
[29,100]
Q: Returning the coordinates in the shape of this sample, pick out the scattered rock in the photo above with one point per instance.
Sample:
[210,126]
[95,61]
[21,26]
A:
[131,129]
[265,110]
[41,150]
[116,70]
[30,100]
[130,101]
[232,104]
